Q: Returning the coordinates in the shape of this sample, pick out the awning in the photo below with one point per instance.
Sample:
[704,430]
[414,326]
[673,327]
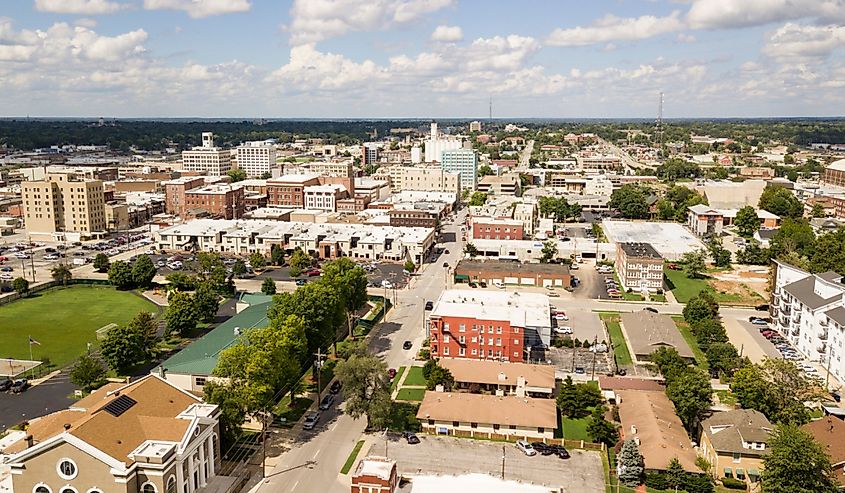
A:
[753,472]
[728,472]
[461,277]
[740,473]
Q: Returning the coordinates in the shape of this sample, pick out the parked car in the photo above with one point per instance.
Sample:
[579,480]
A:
[553,294]
[6,269]
[335,387]
[526,448]
[326,402]
[5,385]
[411,438]
[301,282]
[650,309]
[762,308]
[391,373]
[6,276]
[311,420]
[579,370]
[19,385]
[542,448]
[407,345]
[312,272]
[429,305]
[598,348]
[565,330]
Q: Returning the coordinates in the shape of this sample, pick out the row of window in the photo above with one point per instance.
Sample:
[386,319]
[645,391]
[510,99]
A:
[476,352]
[480,328]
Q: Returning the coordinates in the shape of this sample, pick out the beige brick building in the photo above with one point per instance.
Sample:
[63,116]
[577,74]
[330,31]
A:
[60,205]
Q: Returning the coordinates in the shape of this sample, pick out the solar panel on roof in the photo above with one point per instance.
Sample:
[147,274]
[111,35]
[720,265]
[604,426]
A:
[119,405]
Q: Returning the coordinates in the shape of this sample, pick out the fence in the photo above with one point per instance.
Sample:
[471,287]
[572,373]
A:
[484,435]
[44,286]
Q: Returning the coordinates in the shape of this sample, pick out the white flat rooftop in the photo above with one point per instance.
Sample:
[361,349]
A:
[471,482]
[671,240]
[520,309]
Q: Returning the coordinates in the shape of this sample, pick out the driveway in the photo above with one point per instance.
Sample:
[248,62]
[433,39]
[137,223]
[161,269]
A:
[582,473]
[746,336]
[47,397]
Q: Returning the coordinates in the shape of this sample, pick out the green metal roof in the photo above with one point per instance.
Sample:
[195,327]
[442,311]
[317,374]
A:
[200,357]
[255,298]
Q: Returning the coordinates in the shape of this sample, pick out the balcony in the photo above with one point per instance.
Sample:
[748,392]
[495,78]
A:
[776,295]
[786,310]
[822,348]
[795,331]
[796,317]
[823,322]
[823,336]
[773,311]
[783,320]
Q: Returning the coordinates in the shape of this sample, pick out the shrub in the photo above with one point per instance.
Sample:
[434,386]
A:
[734,484]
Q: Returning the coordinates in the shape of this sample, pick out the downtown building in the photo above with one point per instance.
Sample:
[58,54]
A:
[60,207]
[809,310]
[489,325]
[207,159]
[256,158]
[463,161]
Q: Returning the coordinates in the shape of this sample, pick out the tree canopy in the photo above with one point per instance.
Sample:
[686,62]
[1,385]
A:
[781,201]
[631,201]
[796,463]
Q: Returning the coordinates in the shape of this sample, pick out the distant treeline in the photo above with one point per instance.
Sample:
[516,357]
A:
[28,134]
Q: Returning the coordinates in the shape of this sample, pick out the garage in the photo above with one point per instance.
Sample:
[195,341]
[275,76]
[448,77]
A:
[547,283]
[511,280]
[528,281]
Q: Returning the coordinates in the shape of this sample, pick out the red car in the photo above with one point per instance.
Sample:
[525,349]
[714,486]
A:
[312,272]
[767,334]
[391,373]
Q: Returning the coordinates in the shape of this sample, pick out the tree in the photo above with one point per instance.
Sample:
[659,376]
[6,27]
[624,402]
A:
[694,263]
[238,268]
[181,281]
[723,357]
[21,286]
[143,271]
[471,250]
[601,430]
[797,463]
[101,262]
[299,261]
[708,331]
[777,388]
[746,221]
[181,314]
[587,395]
[485,170]
[668,361]
[257,261]
[232,410]
[478,199]
[631,202]
[549,251]
[691,393]
[319,305]
[144,324]
[753,254]
[781,201]
[567,398]
[675,475]
[61,273]
[206,301]
[439,375]
[277,255]
[829,252]
[120,274]
[350,282]
[237,175]
[409,266]
[123,348]
[88,372]
[721,256]
[794,235]
[817,210]
[629,464]
[268,287]
[366,388]
[697,309]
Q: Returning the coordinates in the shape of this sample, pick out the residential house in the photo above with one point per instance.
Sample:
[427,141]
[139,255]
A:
[647,331]
[519,379]
[734,443]
[830,432]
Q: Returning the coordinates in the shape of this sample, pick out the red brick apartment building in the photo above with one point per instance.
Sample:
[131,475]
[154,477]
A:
[174,193]
[219,201]
[289,190]
[486,228]
[375,475]
[488,325]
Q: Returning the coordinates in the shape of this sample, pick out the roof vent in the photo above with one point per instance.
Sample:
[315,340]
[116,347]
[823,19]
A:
[67,426]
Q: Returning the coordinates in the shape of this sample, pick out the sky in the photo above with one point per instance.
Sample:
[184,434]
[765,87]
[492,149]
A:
[422,58]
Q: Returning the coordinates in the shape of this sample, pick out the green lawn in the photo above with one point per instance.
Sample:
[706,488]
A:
[575,429]
[658,297]
[620,348]
[291,413]
[683,328]
[415,377]
[395,381]
[632,296]
[406,394]
[684,287]
[64,321]
[352,456]
[726,397]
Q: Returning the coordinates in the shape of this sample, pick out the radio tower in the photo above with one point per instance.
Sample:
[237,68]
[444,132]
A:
[490,109]
[658,128]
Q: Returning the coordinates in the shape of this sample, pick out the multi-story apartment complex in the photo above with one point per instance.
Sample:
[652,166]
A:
[639,267]
[370,153]
[528,215]
[463,161]
[475,126]
[174,193]
[428,180]
[834,174]
[323,197]
[144,437]
[487,228]
[413,218]
[207,159]
[256,158]
[705,221]
[809,310]
[289,190]
[489,324]
[324,240]
[343,168]
[222,201]
[60,205]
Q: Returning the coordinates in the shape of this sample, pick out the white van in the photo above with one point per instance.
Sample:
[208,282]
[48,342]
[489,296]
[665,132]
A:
[78,261]
[498,284]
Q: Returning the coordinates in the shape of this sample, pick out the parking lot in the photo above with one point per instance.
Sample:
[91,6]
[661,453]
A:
[446,455]
[586,325]
[579,361]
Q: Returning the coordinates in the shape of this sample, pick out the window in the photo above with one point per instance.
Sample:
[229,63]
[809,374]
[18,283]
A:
[148,487]
[69,489]
[516,341]
[499,329]
[66,469]
[461,351]
[496,427]
[516,354]
[41,488]
[737,457]
[473,425]
[171,484]
[540,430]
[515,330]
[199,381]
[455,424]
[446,338]
[462,328]
[446,351]
[475,352]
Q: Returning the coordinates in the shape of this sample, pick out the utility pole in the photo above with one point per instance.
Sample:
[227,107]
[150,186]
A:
[264,443]
[595,352]
[503,462]
[319,365]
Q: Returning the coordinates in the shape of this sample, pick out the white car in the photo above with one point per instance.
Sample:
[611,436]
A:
[526,448]
[21,255]
[386,284]
[6,275]
[51,256]
[561,316]
[563,330]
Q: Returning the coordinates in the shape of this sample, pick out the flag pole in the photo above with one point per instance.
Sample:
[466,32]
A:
[31,373]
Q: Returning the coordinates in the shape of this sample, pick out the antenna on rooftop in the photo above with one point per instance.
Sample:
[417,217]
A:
[490,109]
[658,128]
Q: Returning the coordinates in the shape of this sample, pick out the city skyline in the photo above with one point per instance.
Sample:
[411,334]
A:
[425,59]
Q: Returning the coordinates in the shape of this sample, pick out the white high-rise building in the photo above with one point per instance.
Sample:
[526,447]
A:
[416,155]
[207,158]
[256,158]
[463,161]
[436,144]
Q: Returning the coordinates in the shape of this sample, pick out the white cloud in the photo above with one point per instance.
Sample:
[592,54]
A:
[686,38]
[62,43]
[612,28]
[800,42]
[718,14]
[447,34]
[316,20]
[499,53]
[81,7]
[309,69]
[198,9]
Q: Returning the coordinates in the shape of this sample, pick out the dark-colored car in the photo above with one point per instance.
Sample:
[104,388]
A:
[445,265]
[407,345]
[473,285]
[543,448]
[5,385]
[411,438]
[762,308]
[579,370]
[19,386]
[312,272]
[326,403]
[429,305]
[446,252]
[482,284]
[391,372]
[650,309]
[335,387]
